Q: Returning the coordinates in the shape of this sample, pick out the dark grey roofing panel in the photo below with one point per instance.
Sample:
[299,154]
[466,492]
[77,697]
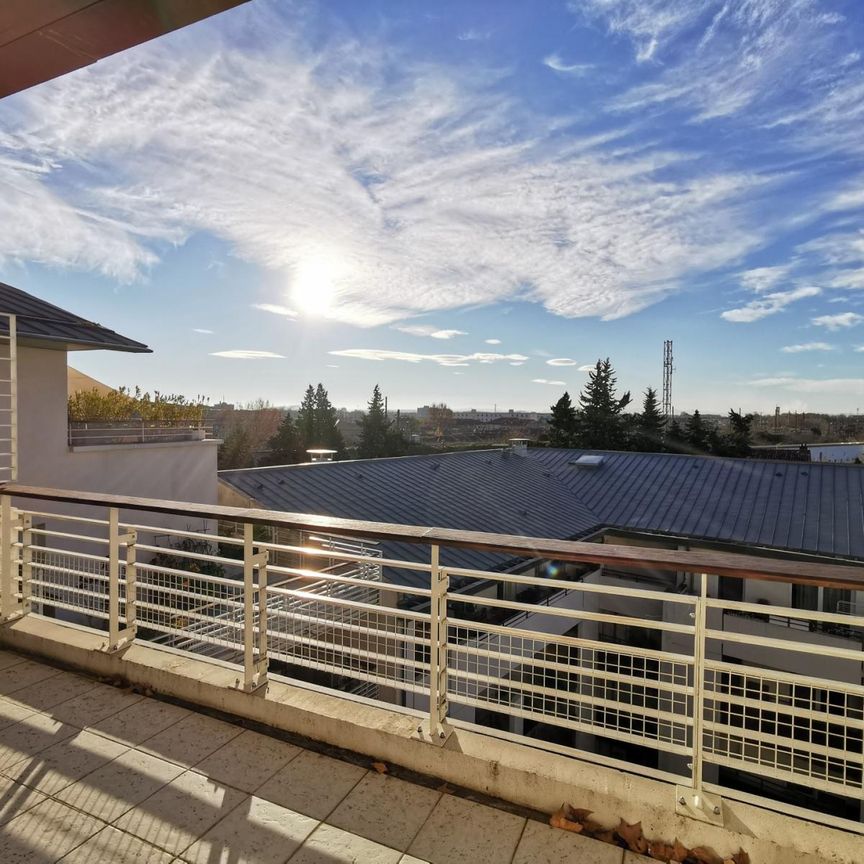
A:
[803,507]
[39,321]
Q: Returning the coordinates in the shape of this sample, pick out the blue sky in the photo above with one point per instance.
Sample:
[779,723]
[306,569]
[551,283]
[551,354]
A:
[462,201]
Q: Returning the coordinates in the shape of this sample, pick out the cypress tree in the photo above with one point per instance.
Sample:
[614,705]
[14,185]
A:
[562,426]
[599,422]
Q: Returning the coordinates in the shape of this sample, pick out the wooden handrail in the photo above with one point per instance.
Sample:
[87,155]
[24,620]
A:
[846,576]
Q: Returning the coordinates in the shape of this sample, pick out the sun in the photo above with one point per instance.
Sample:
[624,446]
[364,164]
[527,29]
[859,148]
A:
[314,286]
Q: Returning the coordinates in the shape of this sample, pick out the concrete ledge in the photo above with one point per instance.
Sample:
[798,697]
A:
[504,769]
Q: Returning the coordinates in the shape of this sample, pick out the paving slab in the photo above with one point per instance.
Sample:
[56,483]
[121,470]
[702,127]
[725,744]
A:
[331,845]
[311,784]
[140,721]
[462,830]
[30,736]
[248,760]
[255,832]
[190,740]
[52,691]
[111,846]
[178,814]
[91,707]
[15,799]
[542,844]
[17,676]
[385,809]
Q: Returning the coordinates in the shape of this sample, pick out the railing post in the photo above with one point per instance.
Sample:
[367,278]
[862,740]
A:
[694,802]
[120,636]
[13,398]
[12,603]
[437,731]
[255,660]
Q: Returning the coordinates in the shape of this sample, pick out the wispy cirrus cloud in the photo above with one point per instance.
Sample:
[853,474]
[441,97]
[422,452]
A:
[842,321]
[554,62]
[546,381]
[429,330]
[275,309]
[440,359]
[373,178]
[202,331]
[807,346]
[562,361]
[492,341]
[769,304]
[833,386]
[242,354]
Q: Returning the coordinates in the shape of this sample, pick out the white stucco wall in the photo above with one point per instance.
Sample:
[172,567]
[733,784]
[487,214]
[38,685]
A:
[181,471]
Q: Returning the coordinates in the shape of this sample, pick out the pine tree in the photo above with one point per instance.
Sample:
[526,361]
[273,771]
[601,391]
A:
[374,429]
[598,422]
[562,426]
[285,447]
[675,440]
[738,439]
[697,433]
[326,422]
[650,425]
[306,420]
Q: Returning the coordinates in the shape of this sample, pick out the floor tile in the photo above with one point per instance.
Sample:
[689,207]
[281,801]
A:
[58,688]
[330,845]
[120,785]
[30,736]
[461,830]
[12,712]
[410,859]
[312,784]
[246,761]
[178,814]
[89,708]
[140,721]
[61,764]
[385,809]
[7,658]
[541,844]
[21,675]
[255,832]
[111,846]
[635,858]
[190,740]
[45,833]
[15,799]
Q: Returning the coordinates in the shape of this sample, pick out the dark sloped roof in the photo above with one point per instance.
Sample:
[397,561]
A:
[39,322]
[487,490]
[798,506]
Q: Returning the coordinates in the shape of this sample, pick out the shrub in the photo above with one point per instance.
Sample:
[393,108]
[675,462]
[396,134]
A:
[122,404]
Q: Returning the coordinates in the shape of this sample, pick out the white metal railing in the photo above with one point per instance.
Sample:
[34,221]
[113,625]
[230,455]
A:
[8,398]
[101,432]
[579,662]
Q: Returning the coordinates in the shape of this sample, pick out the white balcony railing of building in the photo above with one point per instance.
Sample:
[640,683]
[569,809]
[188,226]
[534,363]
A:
[585,674]
[102,432]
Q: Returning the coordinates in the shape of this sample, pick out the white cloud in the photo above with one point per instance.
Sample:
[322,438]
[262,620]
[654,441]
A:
[561,361]
[807,346]
[492,341]
[554,62]
[760,279]
[440,359]
[770,304]
[517,363]
[838,322]
[545,381]
[428,330]
[239,354]
[202,330]
[859,348]
[834,386]
[472,35]
[344,159]
[588,367]
[275,309]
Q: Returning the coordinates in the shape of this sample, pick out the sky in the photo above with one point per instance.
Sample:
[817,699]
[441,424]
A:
[463,202]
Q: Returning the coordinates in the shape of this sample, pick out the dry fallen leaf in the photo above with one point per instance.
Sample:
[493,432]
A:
[660,851]
[741,857]
[444,788]
[704,856]
[632,835]
[380,767]
[559,820]
[606,837]
[679,851]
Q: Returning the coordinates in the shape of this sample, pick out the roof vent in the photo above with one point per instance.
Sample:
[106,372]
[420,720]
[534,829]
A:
[588,460]
[321,455]
[518,445]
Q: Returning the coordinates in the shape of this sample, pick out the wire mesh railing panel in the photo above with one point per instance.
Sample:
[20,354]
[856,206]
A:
[605,690]
[793,729]
[69,581]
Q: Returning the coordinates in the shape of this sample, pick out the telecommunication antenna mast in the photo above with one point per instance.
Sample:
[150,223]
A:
[667,380]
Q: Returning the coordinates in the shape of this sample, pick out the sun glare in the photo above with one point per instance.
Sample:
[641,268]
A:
[314,286]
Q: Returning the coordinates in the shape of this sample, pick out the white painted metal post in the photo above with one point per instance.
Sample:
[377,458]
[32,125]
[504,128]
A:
[254,653]
[26,562]
[9,606]
[439,582]
[699,681]
[119,636]
[13,398]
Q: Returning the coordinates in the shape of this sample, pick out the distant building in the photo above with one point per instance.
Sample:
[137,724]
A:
[425,413]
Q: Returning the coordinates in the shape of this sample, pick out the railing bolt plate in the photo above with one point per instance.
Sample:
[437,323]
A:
[699,805]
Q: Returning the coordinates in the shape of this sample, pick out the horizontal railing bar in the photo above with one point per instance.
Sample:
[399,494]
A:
[575,641]
[746,671]
[567,585]
[720,700]
[820,650]
[44,532]
[575,614]
[194,556]
[67,517]
[356,558]
[177,532]
[348,604]
[640,558]
[773,611]
[299,573]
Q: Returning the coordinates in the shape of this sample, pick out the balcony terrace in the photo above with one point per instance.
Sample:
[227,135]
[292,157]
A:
[245,612]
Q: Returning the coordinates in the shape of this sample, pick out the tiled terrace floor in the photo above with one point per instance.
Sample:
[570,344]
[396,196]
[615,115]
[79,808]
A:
[90,773]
